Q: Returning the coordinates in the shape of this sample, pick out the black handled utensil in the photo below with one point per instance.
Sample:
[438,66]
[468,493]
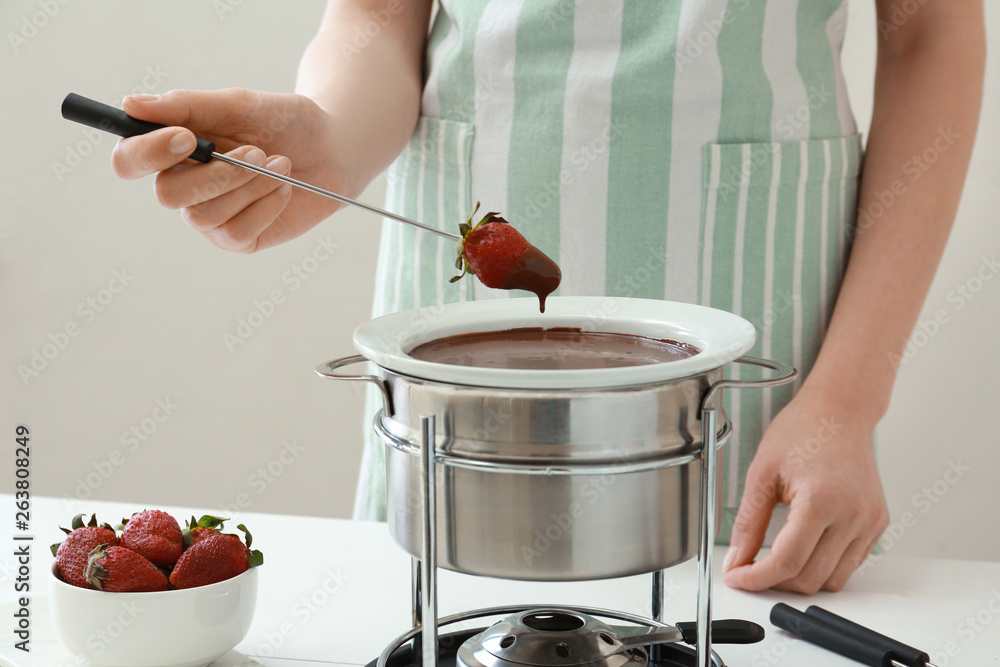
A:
[106,118]
[847,638]
[725,631]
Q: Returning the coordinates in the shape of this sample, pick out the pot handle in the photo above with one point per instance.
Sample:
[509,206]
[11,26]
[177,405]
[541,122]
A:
[326,369]
[785,374]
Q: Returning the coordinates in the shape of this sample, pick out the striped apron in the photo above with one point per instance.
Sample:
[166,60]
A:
[702,151]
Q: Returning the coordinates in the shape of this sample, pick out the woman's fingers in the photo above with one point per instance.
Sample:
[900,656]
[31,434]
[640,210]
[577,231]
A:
[810,554]
[203,111]
[146,154]
[192,184]
[241,232]
[213,212]
[793,549]
[761,494]
[855,555]
[236,208]
[207,111]
[825,558]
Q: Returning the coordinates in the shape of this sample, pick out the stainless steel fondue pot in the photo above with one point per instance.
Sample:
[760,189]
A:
[553,475]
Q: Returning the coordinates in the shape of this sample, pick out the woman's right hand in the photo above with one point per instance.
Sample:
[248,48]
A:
[232,207]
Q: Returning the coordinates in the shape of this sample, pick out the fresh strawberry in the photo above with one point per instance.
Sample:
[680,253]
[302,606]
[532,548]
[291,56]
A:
[214,559]
[121,570]
[195,531]
[72,553]
[501,257]
[155,535]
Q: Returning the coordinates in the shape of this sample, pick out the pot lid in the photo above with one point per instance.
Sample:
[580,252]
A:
[721,338]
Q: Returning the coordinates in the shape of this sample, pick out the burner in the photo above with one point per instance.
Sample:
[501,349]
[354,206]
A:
[543,636]
[561,638]
[670,655]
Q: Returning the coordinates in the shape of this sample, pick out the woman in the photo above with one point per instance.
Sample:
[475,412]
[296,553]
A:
[700,152]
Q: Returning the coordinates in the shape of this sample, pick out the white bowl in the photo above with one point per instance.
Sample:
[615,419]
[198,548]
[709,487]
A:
[722,338]
[181,628]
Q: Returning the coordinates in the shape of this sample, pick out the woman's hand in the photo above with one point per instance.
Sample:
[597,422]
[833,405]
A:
[816,457]
[234,208]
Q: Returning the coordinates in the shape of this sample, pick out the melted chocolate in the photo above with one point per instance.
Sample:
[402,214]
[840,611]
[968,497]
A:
[534,272]
[551,349]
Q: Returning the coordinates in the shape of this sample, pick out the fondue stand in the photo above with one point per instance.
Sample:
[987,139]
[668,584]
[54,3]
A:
[478,459]
[560,629]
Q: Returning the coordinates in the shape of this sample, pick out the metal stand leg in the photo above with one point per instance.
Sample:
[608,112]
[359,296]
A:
[427,585]
[416,593]
[657,612]
[709,482]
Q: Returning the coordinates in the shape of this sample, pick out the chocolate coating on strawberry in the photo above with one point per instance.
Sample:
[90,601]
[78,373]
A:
[502,258]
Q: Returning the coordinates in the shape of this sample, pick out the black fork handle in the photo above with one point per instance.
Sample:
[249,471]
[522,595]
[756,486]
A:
[92,113]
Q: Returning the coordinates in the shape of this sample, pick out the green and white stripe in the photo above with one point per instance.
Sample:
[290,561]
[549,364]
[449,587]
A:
[701,151]
[587,131]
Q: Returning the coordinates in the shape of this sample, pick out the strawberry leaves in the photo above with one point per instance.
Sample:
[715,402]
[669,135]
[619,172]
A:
[466,228]
[206,522]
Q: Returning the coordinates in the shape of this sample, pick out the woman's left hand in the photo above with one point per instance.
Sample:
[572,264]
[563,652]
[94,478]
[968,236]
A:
[816,457]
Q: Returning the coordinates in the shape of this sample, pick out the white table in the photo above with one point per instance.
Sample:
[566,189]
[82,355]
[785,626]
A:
[337,592]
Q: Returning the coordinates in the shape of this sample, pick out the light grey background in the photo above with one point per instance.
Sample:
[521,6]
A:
[252,427]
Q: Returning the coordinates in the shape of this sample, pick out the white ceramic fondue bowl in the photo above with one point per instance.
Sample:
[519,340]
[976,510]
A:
[553,474]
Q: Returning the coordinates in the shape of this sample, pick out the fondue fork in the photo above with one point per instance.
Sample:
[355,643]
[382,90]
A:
[836,633]
[109,119]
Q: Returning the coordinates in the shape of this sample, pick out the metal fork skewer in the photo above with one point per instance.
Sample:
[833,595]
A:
[333,195]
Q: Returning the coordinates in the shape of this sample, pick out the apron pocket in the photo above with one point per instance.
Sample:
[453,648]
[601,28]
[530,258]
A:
[430,182]
[776,223]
